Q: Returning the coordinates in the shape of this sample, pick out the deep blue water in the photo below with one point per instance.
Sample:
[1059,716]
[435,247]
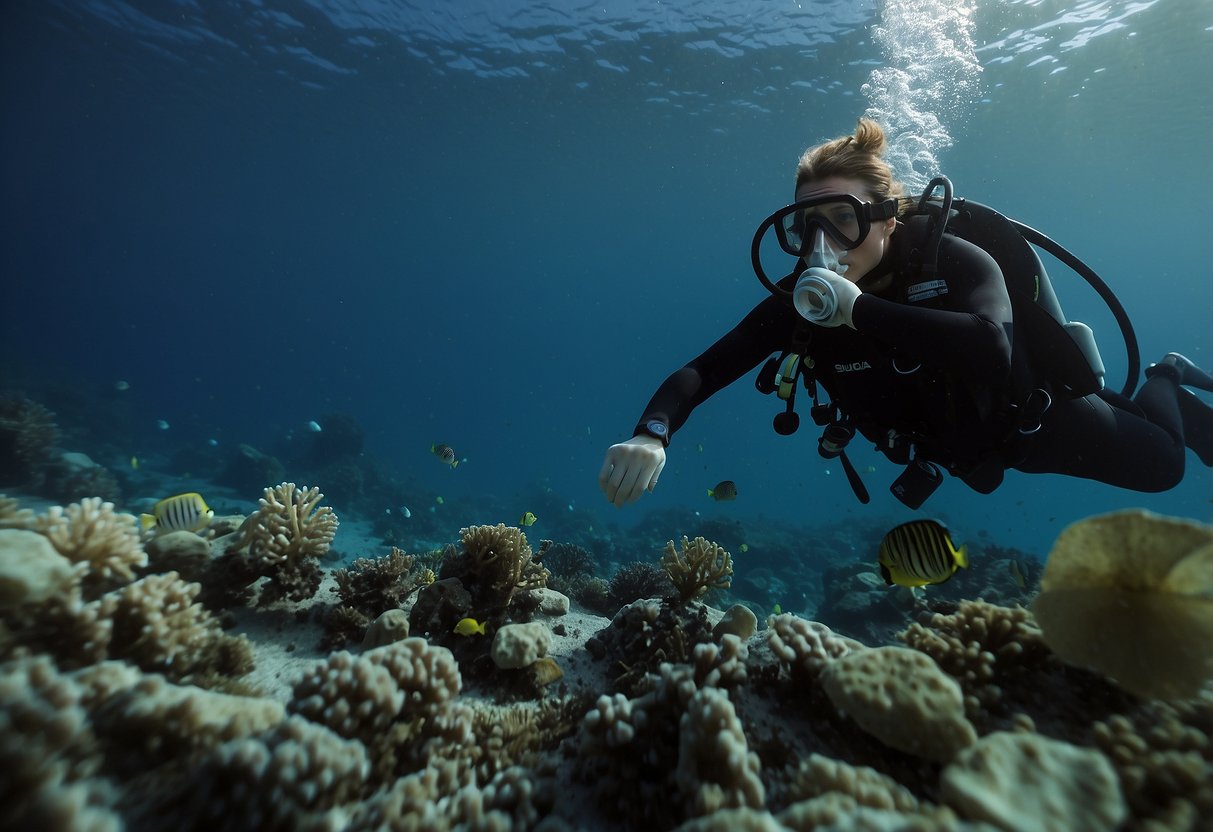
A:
[500,225]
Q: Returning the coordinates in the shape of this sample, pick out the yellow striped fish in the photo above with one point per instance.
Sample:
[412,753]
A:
[184,512]
[918,553]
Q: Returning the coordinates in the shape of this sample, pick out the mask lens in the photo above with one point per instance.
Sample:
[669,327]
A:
[839,219]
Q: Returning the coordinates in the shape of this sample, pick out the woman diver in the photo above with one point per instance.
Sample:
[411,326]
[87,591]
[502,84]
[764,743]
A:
[926,363]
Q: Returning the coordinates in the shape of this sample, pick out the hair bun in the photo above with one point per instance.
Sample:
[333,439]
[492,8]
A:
[870,138]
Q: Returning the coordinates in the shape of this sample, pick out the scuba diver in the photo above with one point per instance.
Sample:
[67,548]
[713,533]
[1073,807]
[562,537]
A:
[946,353]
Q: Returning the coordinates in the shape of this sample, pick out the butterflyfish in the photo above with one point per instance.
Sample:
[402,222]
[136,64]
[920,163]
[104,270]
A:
[184,512]
[918,553]
[446,453]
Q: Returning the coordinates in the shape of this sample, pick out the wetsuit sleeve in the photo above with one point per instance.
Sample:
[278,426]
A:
[971,336]
[762,332]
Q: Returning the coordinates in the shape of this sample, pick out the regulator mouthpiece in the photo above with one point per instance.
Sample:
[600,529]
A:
[814,297]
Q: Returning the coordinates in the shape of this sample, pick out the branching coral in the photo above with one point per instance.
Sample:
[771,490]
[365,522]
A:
[91,532]
[370,588]
[1163,755]
[983,647]
[292,777]
[12,516]
[634,581]
[806,646]
[156,624]
[499,561]
[698,566]
[716,770]
[290,525]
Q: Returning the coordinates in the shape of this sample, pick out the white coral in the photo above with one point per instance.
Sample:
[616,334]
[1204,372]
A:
[91,532]
[291,524]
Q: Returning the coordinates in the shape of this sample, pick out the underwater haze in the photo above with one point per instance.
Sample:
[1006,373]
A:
[500,225]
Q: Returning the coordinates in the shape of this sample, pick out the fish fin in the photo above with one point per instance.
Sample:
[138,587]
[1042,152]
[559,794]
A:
[147,521]
[962,557]
[711,493]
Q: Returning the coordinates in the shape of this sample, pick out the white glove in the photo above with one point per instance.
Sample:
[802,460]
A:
[846,292]
[631,468]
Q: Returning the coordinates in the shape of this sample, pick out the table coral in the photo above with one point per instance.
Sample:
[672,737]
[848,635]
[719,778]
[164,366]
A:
[902,698]
[697,566]
[1130,595]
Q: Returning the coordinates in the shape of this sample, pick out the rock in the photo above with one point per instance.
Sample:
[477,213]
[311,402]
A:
[182,552]
[390,626]
[550,602]
[30,568]
[520,645]
[738,620]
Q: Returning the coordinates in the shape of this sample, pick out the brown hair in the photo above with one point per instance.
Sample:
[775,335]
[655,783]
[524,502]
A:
[853,157]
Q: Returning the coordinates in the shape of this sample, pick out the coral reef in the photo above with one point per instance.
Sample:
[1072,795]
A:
[123,704]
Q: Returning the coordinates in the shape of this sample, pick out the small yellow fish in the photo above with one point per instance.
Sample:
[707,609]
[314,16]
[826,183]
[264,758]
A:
[777,610]
[135,463]
[528,519]
[869,469]
[184,512]
[446,453]
[724,490]
[469,627]
[918,553]
[745,547]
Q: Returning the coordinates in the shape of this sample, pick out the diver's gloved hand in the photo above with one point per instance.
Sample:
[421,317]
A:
[631,468]
[846,292]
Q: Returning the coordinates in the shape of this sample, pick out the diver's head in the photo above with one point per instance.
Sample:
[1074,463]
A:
[855,166]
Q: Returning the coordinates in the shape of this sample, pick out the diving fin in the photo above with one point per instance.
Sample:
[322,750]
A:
[1182,370]
[1198,425]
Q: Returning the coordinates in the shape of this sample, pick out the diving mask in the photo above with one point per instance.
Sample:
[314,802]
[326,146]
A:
[841,221]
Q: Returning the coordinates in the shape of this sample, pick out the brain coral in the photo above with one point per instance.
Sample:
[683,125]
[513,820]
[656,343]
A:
[1029,782]
[902,698]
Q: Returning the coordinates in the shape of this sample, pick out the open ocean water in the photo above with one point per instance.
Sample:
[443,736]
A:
[499,225]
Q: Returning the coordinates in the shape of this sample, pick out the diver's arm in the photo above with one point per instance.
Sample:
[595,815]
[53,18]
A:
[759,334]
[971,337]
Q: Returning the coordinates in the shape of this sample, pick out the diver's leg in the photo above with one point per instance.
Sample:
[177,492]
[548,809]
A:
[1198,425]
[1162,397]
[1092,438]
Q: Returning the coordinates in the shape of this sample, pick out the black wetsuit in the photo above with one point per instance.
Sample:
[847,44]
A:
[930,362]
